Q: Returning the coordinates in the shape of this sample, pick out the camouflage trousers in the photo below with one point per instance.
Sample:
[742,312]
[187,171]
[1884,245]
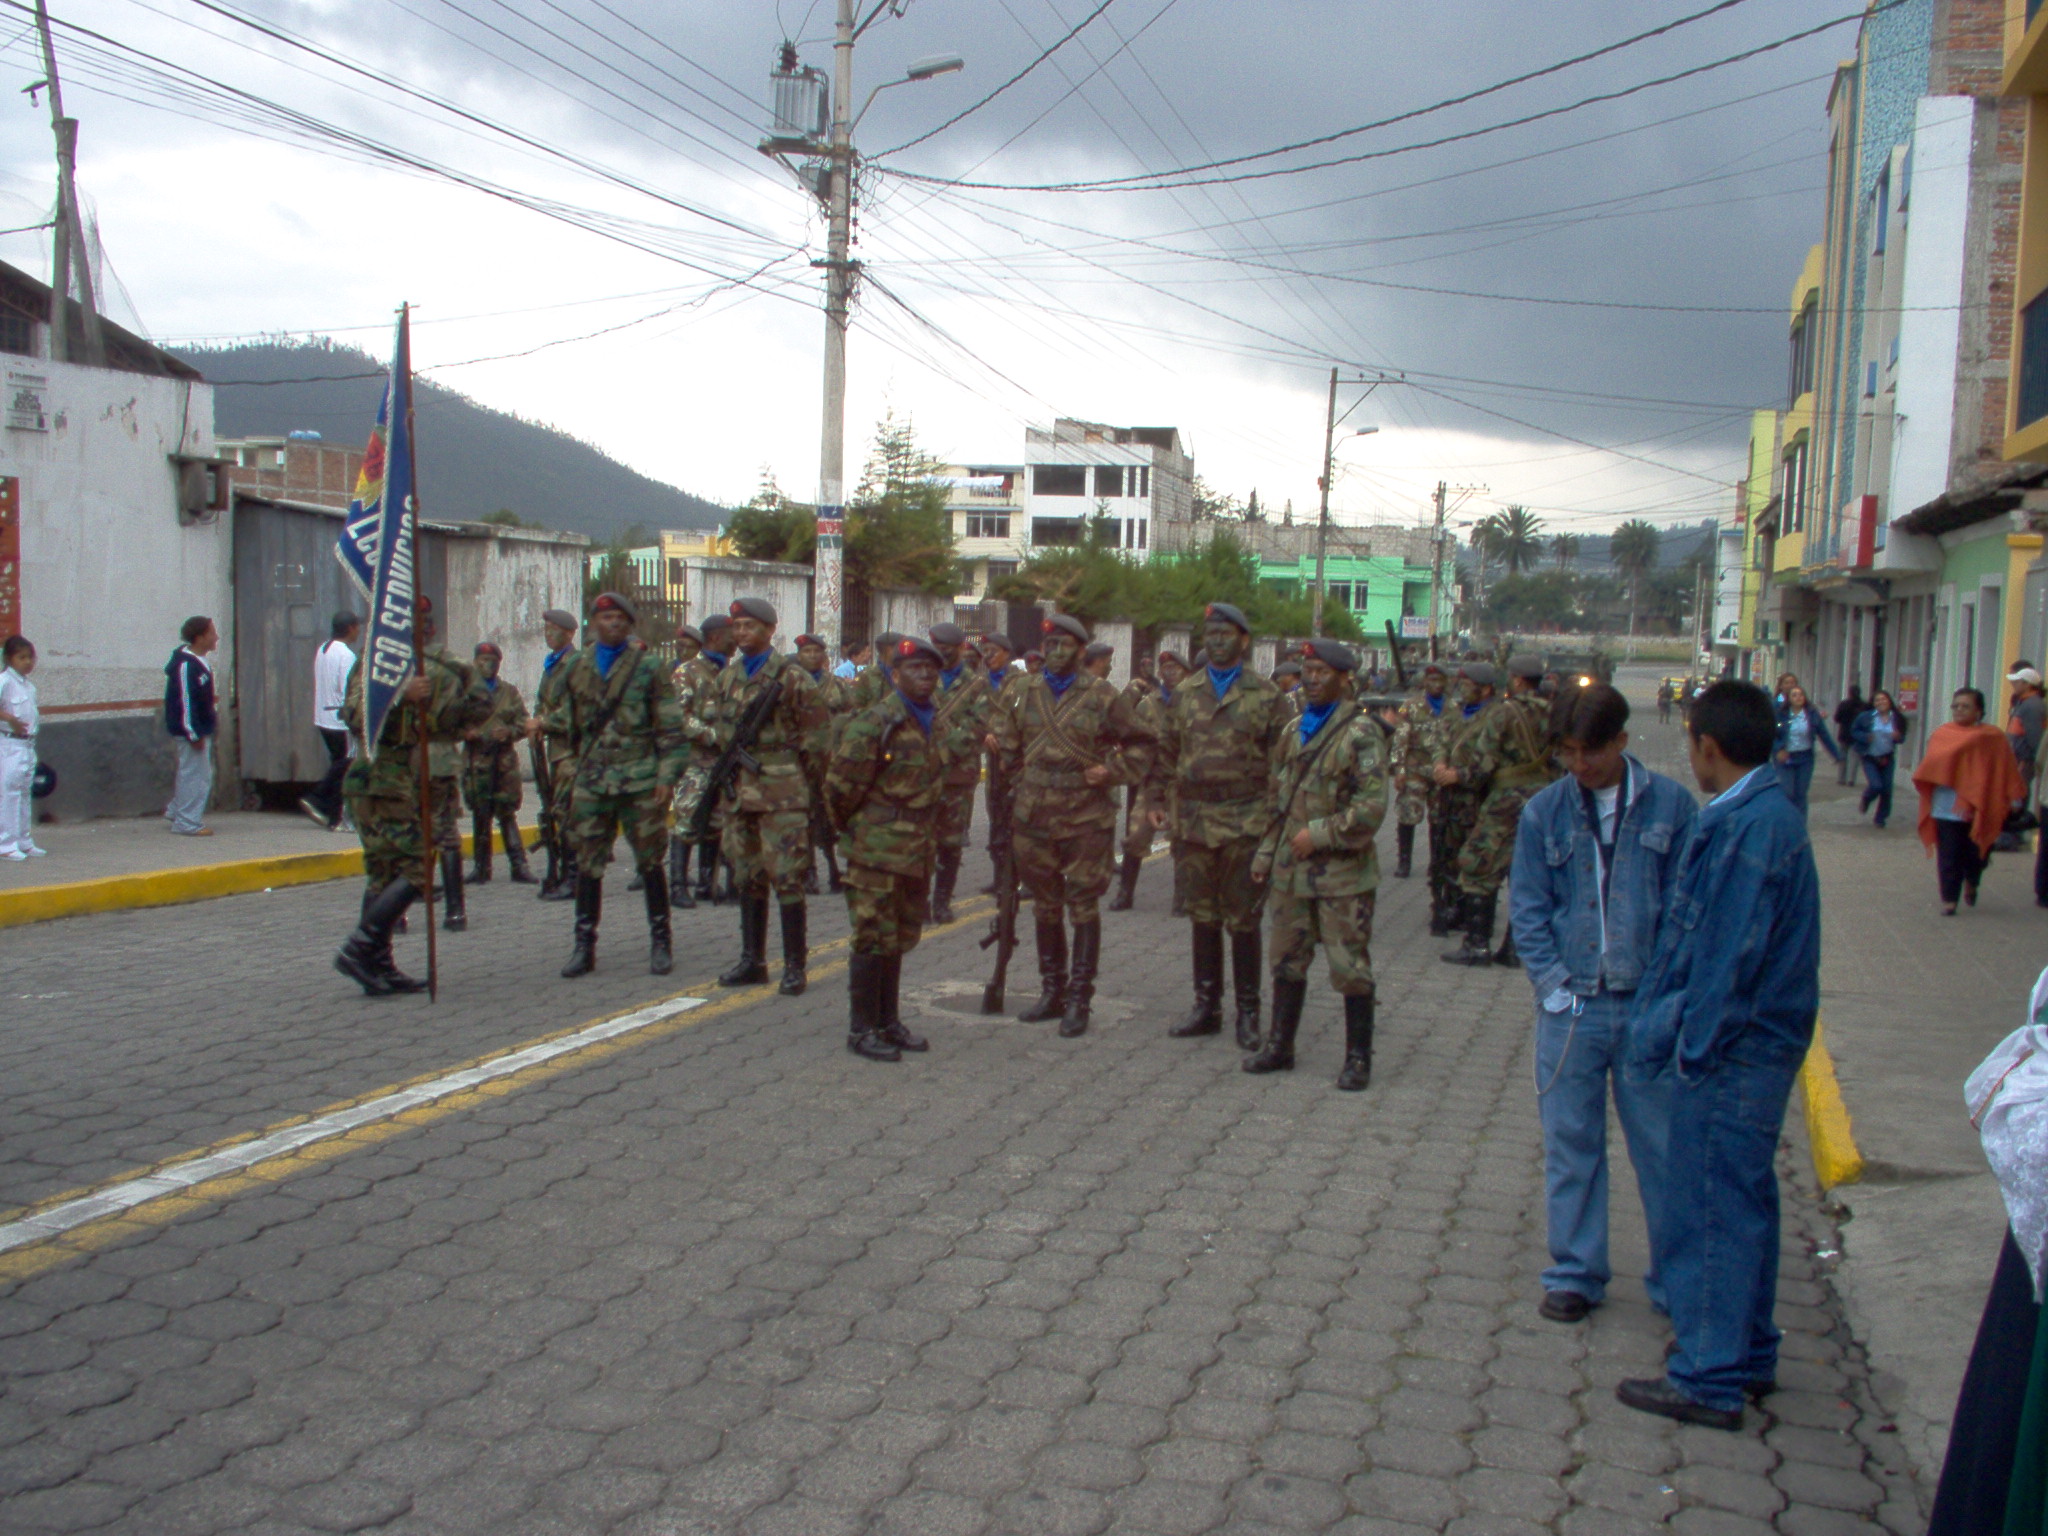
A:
[885,908]
[1138,833]
[770,850]
[447,820]
[1411,800]
[389,826]
[1342,924]
[955,815]
[595,821]
[689,794]
[1220,889]
[1489,848]
[1451,814]
[492,784]
[1069,870]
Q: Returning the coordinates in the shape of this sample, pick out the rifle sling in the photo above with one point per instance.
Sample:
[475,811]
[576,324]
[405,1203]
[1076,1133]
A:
[1048,717]
[1302,764]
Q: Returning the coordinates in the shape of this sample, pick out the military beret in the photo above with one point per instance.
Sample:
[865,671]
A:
[1174,657]
[1038,656]
[1065,624]
[561,618]
[689,632]
[994,641]
[1098,650]
[910,648]
[804,640]
[1331,654]
[484,646]
[1481,672]
[1288,669]
[714,622]
[1437,667]
[1525,665]
[615,603]
[758,608]
[885,642]
[1228,613]
[947,634]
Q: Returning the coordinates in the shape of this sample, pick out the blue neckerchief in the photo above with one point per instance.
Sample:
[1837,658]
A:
[1165,694]
[607,655]
[923,714]
[490,685]
[1436,705]
[1222,681]
[1059,685]
[755,662]
[717,658]
[817,676]
[995,678]
[547,662]
[1473,709]
[951,676]
[1314,717]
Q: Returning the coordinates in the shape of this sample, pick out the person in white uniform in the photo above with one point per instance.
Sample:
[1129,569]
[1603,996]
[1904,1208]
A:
[18,722]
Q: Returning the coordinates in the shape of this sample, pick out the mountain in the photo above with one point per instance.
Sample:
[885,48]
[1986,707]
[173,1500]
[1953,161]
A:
[473,460]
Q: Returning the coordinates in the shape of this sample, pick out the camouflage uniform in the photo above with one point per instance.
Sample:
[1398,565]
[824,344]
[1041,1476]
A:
[693,682]
[1452,810]
[383,793]
[445,747]
[491,785]
[768,827]
[835,693]
[964,707]
[884,781]
[1506,760]
[621,768]
[1414,753]
[1138,831]
[561,761]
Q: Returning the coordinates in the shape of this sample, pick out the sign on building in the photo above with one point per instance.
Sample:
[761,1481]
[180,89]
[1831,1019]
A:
[1414,626]
[25,395]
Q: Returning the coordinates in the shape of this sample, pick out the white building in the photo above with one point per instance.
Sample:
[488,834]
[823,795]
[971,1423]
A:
[1135,478]
[986,502]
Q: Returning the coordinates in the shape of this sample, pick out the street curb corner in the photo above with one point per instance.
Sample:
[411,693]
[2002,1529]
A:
[1836,1158]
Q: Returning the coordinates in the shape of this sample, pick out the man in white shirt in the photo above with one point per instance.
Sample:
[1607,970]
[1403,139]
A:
[331,667]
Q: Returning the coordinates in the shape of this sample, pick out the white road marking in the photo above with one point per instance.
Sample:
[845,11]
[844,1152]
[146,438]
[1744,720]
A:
[128,1194]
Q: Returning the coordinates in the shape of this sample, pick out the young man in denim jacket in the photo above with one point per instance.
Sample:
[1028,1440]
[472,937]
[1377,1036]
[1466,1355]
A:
[1726,1013]
[1594,860]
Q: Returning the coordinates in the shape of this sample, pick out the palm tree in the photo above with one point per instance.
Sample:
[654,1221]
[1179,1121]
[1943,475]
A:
[1633,549]
[1564,548]
[1520,538]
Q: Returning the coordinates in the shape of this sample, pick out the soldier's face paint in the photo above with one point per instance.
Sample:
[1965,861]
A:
[918,678]
[1171,672]
[556,636]
[751,635]
[487,664]
[811,657]
[612,627]
[687,649]
[1224,644]
[1321,682]
[951,653]
[1061,652]
[1433,684]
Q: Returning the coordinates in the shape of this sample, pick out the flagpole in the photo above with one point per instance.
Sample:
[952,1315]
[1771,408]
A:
[419,659]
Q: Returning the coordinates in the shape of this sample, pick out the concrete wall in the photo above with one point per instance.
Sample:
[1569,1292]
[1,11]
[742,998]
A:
[1119,634]
[501,582]
[908,613]
[711,584]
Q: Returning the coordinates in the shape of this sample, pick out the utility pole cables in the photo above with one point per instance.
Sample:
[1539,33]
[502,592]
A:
[70,228]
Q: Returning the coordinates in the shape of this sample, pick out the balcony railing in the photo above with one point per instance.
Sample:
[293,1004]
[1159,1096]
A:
[2031,398]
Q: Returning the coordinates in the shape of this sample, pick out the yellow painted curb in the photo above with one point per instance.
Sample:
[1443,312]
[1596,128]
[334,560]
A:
[201,882]
[1835,1157]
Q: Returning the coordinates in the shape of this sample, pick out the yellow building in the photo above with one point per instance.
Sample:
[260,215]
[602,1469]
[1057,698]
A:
[2026,76]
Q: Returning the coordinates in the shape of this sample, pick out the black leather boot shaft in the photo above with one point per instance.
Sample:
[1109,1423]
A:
[660,956]
[455,911]
[796,950]
[365,956]
[1206,1016]
[1478,946]
[944,876]
[564,886]
[707,867]
[1245,980]
[892,1008]
[1277,1054]
[1081,979]
[679,873]
[589,908]
[517,868]
[1404,843]
[1052,969]
[1126,884]
[751,969]
[1357,1073]
[864,1009]
[480,848]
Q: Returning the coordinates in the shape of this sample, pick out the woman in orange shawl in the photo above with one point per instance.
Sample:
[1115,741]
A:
[1968,781]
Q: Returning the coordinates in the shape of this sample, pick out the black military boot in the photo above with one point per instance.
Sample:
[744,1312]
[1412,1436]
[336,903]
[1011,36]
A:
[944,876]
[892,1029]
[1206,1017]
[834,885]
[480,848]
[707,868]
[1126,884]
[589,908]
[1277,1055]
[455,915]
[518,870]
[364,956]
[660,958]
[1244,977]
[1081,980]
[1357,1073]
[795,949]
[1051,934]
[396,979]
[751,969]
[1404,842]
[1507,954]
[1478,946]
[864,1009]
[564,886]
[1180,890]
[679,873]
[552,881]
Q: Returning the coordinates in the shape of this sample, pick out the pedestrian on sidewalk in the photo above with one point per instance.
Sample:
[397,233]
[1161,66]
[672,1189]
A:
[1847,713]
[1725,1012]
[1595,857]
[1968,782]
[18,726]
[190,717]
[1875,735]
[331,667]
[1801,730]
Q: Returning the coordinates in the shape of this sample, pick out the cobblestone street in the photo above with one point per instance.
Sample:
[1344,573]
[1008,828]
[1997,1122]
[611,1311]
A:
[725,1278]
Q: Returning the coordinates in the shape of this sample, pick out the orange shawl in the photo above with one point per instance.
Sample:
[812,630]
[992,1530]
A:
[1975,761]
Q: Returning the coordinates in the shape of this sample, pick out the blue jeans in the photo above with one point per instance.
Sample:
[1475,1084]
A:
[1574,1058]
[1720,1227]
[1794,777]
[1877,779]
[193,787]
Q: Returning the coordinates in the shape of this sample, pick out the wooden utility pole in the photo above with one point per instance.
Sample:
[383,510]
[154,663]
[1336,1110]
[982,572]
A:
[70,228]
[1323,517]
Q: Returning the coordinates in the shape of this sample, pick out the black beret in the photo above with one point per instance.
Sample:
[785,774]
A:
[1065,624]
[613,602]
[1331,654]
[1098,650]
[561,618]
[1481,672]
[1229,613]
[885,642]
[947,634]
[1525,664]
[714,622]
[910,648]
[998,642]
[1437,667]
[753,608]
[804,640]
[689,632]
[1288,669]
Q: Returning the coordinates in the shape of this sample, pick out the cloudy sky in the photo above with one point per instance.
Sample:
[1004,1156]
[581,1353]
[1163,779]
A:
[1582,305]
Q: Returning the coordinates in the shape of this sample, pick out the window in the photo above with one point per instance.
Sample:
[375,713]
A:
[1142,478]
[1109,479]
[17,333]
[1880,210]
[998,569]
[1795,489]
[1142,526]
[1804,339]
[1059,479]
[2032,404]
[988,525]
[1869,381]
[1338,592]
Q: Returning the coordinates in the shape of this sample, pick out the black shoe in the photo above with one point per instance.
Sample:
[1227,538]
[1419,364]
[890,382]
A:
[795,950]
[1356,1074]
[1081,981]
[1206,1016]
[1052,970]
[455,915]
[864,1009]
[892,1029]
[564,886]
[751,969]
[1126,884]
[366,956]
[707,869]
[1277,1055]
[518,870]
[660,956]
[1477,948]
[1565,1307]
[1756,1389]
[1244,980]
[589,908]
[1656,1394]
[325,821]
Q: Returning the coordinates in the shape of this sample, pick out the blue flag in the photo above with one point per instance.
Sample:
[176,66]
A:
[377,548]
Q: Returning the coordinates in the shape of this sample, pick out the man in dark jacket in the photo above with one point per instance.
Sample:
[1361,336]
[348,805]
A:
[1853,704]
[190,718]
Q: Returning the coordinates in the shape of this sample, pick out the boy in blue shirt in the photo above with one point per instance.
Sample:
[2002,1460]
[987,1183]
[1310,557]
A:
[1726,1009]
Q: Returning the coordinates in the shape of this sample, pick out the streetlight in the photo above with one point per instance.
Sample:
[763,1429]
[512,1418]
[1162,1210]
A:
[924,69]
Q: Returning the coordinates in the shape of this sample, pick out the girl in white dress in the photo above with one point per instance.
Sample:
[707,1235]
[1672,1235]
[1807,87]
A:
[17,751]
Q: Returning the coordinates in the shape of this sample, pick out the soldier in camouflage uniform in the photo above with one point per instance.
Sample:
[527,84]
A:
[875,682]
[491,787]
[965,701]
[689,646]
[445,768]
[1067,740]
[618,709]
[1454,806]
[1146,693]
[1318,857]
[1424,719]
[996,655]
[693,681]
[383,798]
[1506,760]
[558,628]
[1287,678]
[1217,742]
[883,788]
[835,693]
[768,807]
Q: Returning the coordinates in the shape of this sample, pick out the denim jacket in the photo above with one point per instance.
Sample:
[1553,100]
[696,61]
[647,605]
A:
[1738,961]
[1817,724]
[1555,902]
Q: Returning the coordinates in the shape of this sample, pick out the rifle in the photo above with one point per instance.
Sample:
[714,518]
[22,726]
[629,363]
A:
[1394,650]
[737,755]
[1002,931]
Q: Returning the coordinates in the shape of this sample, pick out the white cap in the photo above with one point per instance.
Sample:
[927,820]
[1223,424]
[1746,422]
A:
[2024,675]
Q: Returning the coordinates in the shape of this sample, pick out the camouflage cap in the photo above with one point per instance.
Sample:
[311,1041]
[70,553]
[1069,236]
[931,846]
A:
[1331,654]
[756,608]
[1227,613]
[910,648]
[1065,624]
